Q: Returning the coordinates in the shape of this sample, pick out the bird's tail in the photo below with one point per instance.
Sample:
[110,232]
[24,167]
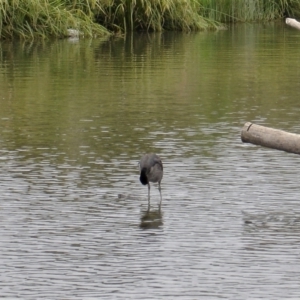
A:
[143,177]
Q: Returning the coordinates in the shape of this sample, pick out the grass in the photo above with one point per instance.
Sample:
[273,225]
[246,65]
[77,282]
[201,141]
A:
[46,18]
[152,15]
[249,10]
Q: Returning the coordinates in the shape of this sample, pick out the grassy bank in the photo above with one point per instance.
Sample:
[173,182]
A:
[191,14]
[154,15]
[46,18]
[228,11]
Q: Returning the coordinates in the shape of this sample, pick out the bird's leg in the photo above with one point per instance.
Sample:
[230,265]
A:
[148,195]
[159,188]
[148,209]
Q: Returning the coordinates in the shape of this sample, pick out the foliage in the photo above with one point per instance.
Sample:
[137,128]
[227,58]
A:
[44,18]
[292,8]
[153,15]
[249,10]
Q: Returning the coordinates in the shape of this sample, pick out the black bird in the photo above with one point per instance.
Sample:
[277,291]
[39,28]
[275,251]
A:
[151,168]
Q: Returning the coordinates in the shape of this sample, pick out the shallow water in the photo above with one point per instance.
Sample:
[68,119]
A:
[75,119]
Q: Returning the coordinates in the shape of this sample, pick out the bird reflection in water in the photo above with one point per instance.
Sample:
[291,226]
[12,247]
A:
[151,219]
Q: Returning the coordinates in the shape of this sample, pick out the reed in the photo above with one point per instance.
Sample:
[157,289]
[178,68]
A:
[46,18]
[127,15]
[292,8]
[149,15]
[249,10]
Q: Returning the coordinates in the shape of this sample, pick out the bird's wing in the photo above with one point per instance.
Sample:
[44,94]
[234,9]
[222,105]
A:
[158,162]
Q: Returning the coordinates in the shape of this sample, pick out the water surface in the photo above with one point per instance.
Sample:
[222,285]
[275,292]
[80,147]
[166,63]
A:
[76,117]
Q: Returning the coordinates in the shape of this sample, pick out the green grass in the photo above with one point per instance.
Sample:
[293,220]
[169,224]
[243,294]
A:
[47,18]
[249,10]
[152,15]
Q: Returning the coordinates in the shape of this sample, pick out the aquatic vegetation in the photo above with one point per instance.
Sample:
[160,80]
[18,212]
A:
[189,14]
[249,10]
[46,18]
[154,15]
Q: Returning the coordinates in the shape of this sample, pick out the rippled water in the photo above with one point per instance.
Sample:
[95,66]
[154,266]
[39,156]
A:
[75,119]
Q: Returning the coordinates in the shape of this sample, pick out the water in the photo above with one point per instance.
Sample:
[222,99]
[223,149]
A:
[75,119]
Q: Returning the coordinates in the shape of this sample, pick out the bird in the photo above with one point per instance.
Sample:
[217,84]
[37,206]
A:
[151,170]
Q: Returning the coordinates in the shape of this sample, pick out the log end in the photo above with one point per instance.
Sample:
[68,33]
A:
[245,129]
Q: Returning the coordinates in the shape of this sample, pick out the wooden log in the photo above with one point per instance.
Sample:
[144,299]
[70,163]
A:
[271,138]
[293,22]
